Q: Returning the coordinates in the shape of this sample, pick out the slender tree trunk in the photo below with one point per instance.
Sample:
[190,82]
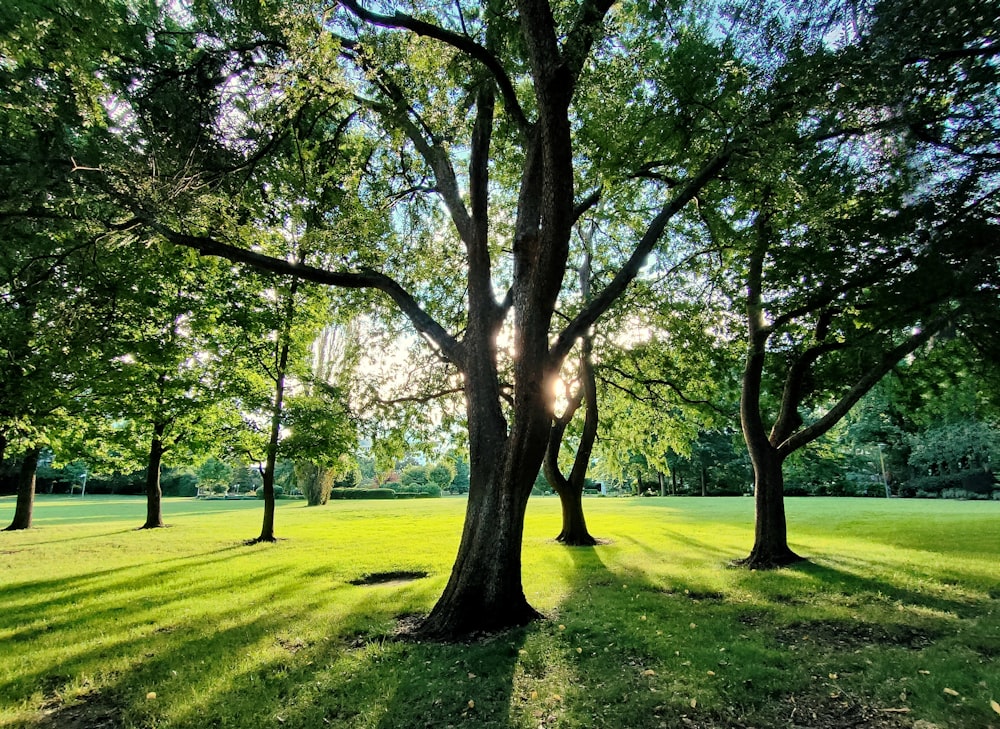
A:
[673,480]
[154,496]
[267,525]
[277,406]
[770,547]
[574,524]
[663,485]
[704,485]
[3,448]
[25,491]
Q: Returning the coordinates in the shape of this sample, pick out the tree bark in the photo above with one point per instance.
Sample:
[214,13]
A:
[574,531]
[277,406]
[154,496]
[25,491]
[484,593]
[770,548]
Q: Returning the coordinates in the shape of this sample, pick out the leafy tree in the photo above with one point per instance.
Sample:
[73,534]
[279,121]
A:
[214,475]
[321,435]
[859,252]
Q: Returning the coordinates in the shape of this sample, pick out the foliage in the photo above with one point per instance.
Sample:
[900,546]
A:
[960,446]
[359,493]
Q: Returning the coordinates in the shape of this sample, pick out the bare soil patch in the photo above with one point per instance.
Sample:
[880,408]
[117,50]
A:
[399,577]
[90,711]
[849,635]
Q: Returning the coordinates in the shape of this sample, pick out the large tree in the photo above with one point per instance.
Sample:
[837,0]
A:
[867,232]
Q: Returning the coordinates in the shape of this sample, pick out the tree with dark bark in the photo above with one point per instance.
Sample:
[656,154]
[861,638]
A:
[25,505]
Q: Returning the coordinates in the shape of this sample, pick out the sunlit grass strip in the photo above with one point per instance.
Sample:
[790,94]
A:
[900,600]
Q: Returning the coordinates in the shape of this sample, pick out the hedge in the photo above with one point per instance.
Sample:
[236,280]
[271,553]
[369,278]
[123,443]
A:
[356,493]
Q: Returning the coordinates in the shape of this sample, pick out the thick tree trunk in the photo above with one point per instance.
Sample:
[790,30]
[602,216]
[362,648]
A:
[770,547]
[154,496]
[25,491]
[484,593]
[574,525]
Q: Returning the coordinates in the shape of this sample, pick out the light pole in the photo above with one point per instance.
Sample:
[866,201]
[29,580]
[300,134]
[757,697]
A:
[885,481]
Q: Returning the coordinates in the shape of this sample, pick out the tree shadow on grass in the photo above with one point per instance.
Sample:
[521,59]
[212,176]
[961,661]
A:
[298,648]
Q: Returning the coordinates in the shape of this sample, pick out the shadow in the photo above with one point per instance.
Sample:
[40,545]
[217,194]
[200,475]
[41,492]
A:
[636,637]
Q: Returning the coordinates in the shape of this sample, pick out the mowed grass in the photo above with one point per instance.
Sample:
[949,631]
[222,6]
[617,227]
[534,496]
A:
[895,618]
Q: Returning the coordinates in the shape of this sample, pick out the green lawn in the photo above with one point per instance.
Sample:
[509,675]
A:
[895,620]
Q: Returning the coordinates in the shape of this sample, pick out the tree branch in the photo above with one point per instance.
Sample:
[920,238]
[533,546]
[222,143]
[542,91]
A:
[603,301]
[865,383]
[451,349]
[463,43]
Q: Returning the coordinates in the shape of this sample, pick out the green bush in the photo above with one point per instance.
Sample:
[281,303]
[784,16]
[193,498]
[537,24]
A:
[362,494]
[424,489]
[949,485]
[278,492]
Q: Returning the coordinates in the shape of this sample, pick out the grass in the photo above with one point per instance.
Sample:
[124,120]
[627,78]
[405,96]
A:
[899,602]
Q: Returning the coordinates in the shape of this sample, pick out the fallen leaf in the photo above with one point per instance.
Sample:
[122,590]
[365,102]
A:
[833,676]
[922,672]
[472,675]
[951,692]
[472,704]
[534,694]
[562,627]
[711,673]
[649,672]
[995,705]
[694,703]
[522,652]
[556,697]
[579,650]
[693,626]
[151,695]
[642,617]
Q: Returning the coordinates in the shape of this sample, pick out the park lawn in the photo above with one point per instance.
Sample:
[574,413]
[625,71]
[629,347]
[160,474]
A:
[895,619]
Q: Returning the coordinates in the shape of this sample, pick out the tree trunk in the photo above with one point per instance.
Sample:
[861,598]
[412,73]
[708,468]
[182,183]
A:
[154,496]
[574,525]
[704,485]
[284,339]
[663,484]
[770,547]
[3,448]
[25,491]
[484,593]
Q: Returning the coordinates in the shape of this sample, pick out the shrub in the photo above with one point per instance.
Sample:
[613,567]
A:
[424,489]
[314,481]
[278,492]
[362,494]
